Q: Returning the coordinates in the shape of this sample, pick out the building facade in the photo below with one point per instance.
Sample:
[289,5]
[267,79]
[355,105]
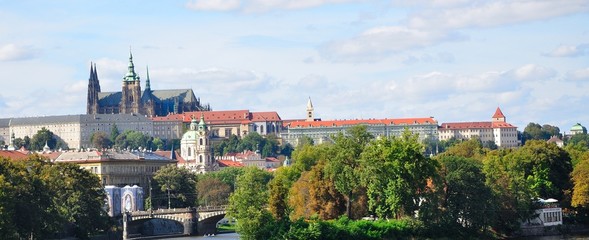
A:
[497,130]
[223,124]
[76,130]
[195,148]
[131,99]
[118,168]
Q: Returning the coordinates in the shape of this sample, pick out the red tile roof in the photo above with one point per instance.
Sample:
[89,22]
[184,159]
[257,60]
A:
[223,117]
[471,125]
[167,154]
[265,116]
[386,121]
[13,154]
[229,163]
[498,113]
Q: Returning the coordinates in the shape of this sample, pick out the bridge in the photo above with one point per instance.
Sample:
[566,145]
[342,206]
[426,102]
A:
[201,220]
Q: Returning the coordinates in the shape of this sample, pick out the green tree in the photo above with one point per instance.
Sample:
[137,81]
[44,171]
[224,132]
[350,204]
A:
[396,174]
[343,166]
[79,199]
[100,140]
[176,186]
[114,133]
[467,201]
[471,148]
[42,137]
[248,205]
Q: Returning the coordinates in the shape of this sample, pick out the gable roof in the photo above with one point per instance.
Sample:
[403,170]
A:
[13,154]
[498,113]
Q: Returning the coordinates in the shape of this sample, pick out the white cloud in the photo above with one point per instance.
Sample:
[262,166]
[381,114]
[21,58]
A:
[494,13]
[13,52]
[258,5]
[580,74]
[214,5]
[380,42]
[569,51]
[532,72]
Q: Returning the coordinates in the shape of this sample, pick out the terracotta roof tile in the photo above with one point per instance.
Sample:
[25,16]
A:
[386,121]
[12,154]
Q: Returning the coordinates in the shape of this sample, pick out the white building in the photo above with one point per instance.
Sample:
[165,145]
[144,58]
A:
[500,132]
[195,148]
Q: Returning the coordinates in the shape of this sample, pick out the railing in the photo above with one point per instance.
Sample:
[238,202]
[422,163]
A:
[211,208]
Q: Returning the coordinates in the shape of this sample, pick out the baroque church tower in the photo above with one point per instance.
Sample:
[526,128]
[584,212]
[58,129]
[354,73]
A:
[93,90]
[195,148]
[131,93]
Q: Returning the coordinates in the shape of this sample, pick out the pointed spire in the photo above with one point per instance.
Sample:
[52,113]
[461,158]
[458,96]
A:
[131,76]
[147,82]
[96,81]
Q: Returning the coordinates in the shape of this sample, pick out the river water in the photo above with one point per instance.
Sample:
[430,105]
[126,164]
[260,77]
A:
[223,236]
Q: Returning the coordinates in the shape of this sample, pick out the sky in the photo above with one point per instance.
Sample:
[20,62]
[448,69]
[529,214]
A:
[454,60]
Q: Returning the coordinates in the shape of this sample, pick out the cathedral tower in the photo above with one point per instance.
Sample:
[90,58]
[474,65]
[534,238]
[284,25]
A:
[131,93]
[93,90]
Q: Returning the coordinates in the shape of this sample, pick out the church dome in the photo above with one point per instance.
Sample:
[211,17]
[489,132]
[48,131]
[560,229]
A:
[578,128]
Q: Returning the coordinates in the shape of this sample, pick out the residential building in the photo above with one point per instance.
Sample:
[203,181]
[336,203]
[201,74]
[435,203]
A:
[497,130]
[131,99]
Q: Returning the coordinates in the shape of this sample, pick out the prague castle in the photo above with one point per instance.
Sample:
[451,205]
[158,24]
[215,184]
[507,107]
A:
[132,100]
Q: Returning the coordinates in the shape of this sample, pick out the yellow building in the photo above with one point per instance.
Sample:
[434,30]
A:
[119,168]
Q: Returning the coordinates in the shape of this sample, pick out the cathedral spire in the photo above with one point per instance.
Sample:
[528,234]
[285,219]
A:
[147,82]
[131,76]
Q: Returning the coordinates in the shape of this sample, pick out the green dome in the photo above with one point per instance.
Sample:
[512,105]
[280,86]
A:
[578,128]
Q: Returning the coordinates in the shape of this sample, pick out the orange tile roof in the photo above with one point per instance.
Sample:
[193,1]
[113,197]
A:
[471,125]
[265,116]
[386,121]
[498,113]
[229,163]
[13,154]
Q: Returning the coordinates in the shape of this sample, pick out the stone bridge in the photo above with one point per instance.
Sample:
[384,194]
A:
[201,220]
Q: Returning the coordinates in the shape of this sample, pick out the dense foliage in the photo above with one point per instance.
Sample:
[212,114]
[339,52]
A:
[472,190]
[39,199]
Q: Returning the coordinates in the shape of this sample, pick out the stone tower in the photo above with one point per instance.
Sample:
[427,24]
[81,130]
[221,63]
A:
[93,90]
[195,148]
[310,117]
[131,92]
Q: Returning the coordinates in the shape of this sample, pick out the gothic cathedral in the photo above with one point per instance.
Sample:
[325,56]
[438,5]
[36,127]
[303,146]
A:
[131,99]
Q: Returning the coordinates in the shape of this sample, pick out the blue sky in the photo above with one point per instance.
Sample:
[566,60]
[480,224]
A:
[455,60]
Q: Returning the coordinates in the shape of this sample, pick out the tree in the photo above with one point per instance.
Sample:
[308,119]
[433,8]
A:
[212,192]
[248,205]
[471,148]
[343,167]
[396,174]
[114,133]
[176,186]
[580,179]
[100,140]
[467,201]
[42,137]
[79,199]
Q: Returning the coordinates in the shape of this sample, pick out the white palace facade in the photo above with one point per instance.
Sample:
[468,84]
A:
[503,134]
